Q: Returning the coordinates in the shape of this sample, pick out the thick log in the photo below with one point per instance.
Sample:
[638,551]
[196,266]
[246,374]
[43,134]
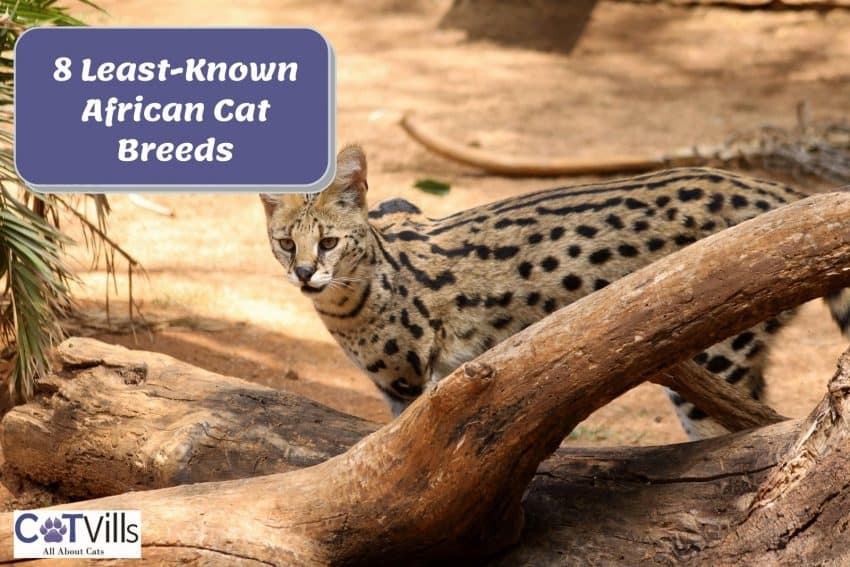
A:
[115,420]
[446,478]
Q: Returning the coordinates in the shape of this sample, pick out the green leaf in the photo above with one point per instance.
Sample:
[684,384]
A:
[433,186]
[34,278]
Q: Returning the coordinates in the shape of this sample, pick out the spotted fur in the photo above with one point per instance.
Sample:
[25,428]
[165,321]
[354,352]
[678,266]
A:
[410,298]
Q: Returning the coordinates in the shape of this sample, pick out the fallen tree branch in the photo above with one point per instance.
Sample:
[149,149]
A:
[728,405]
[117,420]
[114,420]
[522,166]
[816,149]
[447,477]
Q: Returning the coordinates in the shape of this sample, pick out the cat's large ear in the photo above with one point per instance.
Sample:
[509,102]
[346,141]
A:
[349,188]
[270,203]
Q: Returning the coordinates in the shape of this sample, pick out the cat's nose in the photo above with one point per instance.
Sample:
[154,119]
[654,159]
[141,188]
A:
[304,273]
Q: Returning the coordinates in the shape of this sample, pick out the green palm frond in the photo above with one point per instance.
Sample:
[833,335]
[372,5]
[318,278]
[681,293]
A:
[34,279]
[36,290]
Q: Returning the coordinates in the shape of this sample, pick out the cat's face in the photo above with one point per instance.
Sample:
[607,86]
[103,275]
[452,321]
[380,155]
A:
[321,239]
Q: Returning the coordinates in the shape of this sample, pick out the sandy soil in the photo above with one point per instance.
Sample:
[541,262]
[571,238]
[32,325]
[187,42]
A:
[592,79]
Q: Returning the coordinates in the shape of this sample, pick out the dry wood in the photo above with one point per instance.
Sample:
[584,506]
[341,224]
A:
[119,420]
[525,166]
[801,512]
[728,405]
[447,477]
[114,420]
[818,149]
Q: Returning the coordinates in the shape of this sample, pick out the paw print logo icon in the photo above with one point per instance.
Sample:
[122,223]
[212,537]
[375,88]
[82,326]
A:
[52,530]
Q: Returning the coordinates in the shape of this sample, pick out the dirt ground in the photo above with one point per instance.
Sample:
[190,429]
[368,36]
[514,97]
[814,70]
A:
[586,79]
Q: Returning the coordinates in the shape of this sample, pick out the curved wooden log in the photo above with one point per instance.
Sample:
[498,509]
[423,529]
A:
[114,420]
[447,477]
[728,405]
[117,420]
[535,166]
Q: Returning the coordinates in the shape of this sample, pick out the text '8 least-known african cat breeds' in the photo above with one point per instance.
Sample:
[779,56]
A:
[410,298]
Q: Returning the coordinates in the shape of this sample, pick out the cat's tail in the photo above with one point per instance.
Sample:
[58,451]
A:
[839,305]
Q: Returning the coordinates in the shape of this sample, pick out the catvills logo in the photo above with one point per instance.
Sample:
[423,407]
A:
[78,533]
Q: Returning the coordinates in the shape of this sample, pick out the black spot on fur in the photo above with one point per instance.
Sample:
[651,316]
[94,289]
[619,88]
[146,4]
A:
[739,201]
[686,195]
[718,363]
[586,231]
[574,251]
[736,375]
[501,322]
[627,250]
[505,252]
[742,340]
[556,233]
[640,225]
[390,347]
[549,264]
[614,221]
[443,279]
[504,223]
[462,301]
[662,200]
[685,239]
[483,252]
[600,283]
[550,305]
[571,282]
[654,244]
[406,236]
[772,325]
[414,329]
[600,256]
[635,204]
[671,213]
[377,365]
[524,269]
[763,205]
[532,299]
[708,225]
[415,364]
[716,203]
[535,238]
[501,300]
[394,206]
[460,251]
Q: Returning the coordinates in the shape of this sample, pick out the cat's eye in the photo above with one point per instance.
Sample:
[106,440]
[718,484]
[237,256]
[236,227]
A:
[287,244]
[405,389]
[328,243]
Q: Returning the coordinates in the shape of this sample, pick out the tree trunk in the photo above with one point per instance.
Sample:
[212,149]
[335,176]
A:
[116,420]
[446,479]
